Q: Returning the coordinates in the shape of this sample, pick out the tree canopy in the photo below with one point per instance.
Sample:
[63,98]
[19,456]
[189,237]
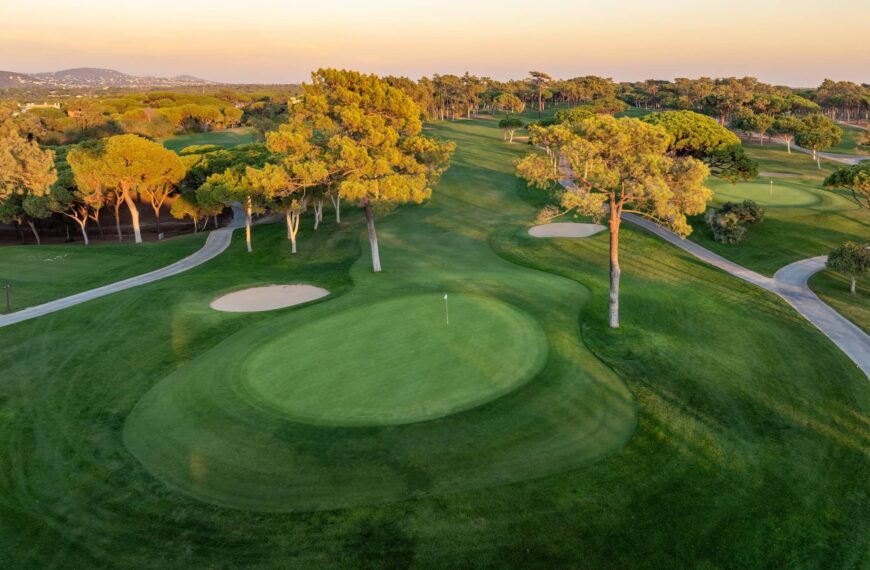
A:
[131,166]
[362,138]
[622,166]
[854,178]
[851,259]
[818,133]
[510,126]
[701,137]
[27,174]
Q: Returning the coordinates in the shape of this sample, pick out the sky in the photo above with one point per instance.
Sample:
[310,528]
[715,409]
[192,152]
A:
[789,42]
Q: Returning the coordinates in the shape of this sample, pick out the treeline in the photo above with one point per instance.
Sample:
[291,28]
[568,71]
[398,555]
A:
[725,97]
[453,96]
[153,114]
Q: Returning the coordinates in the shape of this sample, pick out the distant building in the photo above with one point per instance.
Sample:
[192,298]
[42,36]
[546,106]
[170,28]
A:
[28,106]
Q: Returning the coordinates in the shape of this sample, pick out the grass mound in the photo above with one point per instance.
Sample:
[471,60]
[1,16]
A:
[385,370]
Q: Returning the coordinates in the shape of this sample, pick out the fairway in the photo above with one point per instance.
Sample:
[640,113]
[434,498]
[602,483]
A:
[225,138]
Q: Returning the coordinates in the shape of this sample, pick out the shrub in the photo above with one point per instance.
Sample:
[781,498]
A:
[748,211]
[729,224]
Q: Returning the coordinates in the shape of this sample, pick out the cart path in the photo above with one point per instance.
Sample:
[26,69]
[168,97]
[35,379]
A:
[218,241]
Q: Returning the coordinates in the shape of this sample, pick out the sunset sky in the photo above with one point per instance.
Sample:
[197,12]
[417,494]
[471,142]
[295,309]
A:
[792,42]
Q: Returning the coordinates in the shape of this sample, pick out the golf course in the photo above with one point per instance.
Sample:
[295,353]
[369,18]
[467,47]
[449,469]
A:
[466,407]
[225,138]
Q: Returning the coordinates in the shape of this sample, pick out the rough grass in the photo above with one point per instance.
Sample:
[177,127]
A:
[748,450]
[225,138]
[39,274]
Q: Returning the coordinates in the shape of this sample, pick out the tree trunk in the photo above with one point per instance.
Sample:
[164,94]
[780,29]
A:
[336,201]
[615,271]
[853,288]
[788,145]
[118,219]
[84,231]
[373,236]
[35,233]
[157,215]
[318,212]
[248,210]
[96,219]
[292,227]
[134,213]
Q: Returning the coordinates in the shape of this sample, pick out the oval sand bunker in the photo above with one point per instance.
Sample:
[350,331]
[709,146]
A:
[566,230]
[267,298]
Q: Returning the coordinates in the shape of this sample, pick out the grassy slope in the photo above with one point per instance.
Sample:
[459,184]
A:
[225,138]
[742,457]
[43,273]
[834,290]
[850,143]
[803,220]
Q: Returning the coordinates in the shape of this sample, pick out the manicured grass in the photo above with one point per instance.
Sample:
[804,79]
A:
[833,289]
[715,429]
[433,368]
[780,193]
[224,138]
[635,113]
[850,143]
[42,273]
[803,219]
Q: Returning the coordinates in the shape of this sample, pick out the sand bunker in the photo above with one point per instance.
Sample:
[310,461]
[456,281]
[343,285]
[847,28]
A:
[267,298]
[779,175]
[566,230]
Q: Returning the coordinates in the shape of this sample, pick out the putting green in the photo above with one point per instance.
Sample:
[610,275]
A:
[320,408]
[781,193]
[375,376]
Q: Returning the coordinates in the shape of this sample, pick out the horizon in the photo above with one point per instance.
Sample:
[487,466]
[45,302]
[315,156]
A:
[424,38]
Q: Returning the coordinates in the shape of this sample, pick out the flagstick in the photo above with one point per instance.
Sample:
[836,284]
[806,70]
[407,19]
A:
[446,309]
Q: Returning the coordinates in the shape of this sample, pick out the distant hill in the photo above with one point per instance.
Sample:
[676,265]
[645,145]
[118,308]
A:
[13,79]
[95,78]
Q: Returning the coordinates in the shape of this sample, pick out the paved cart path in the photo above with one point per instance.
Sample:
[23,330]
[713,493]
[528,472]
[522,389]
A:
[218,241]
